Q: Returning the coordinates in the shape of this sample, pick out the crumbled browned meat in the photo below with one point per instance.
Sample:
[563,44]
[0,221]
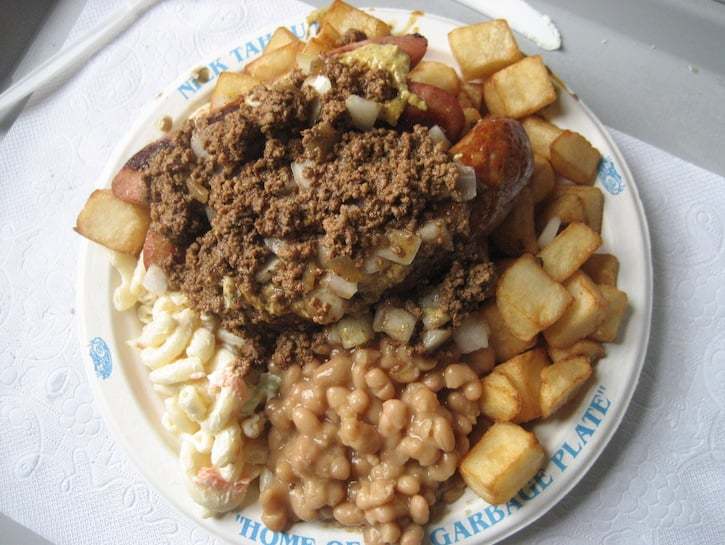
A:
[297,348]
[465,287]
[358,186]
[174,212]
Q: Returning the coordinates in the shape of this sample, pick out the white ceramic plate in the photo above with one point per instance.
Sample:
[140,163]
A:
[573,441]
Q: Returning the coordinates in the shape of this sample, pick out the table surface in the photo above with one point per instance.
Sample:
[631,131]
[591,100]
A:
[672,444]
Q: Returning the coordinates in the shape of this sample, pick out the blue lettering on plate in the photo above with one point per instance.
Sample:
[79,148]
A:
[610,177]
[101,356]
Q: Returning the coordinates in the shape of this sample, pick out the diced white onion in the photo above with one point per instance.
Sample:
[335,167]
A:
[197,146]
[472,334]
[437,135]
[433,231]
[155,280]
[434,317]
[276,246]
[466,184]
[354,331]
[394,322]
[372,265]
[252,102]
[264,274]
[333,335]
[434,338]
[403,247]
[336,305]
[338,285]
[321,84]
[363,112]
[298,173]
[548,233]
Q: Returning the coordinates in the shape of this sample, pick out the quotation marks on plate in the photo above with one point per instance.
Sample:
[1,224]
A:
[101,356]
[610,177]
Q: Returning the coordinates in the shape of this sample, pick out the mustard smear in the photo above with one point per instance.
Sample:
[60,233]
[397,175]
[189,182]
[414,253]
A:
[392,59]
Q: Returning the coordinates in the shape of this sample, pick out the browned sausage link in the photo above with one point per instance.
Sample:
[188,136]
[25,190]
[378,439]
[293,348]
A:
[500,153]
[413,45]
[443,109]
[157,249]
[128,184]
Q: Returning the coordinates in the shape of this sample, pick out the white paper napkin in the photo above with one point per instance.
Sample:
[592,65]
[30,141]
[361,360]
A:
[61,474]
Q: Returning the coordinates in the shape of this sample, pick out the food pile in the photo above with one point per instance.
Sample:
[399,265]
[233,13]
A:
[360,273]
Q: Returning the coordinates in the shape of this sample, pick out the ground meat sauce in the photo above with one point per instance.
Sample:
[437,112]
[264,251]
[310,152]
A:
[223,192]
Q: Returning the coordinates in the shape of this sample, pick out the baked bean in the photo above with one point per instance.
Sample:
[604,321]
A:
[443,434]
[333,373]
[305,421]
[358,401]
[389,532]
[364,440]
[384,513]
[408,485]
[339,468]
[433,380]
[336,396]
[419,509]
[473,390]
[444,468]
[396,413]
[413,535]
[348,514]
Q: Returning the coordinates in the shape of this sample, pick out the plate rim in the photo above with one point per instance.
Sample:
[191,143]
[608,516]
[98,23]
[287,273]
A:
[536,512]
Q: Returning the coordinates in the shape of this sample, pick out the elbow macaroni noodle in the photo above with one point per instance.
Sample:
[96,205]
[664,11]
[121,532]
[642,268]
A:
[190,361]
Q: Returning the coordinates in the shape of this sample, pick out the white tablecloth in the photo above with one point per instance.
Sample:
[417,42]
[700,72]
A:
[62,475]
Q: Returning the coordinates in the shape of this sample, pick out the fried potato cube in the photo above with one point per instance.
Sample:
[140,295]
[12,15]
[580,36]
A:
[280,37]
[520,89]
[328,36]
[591,350]
[560,381]
[484,48]
[438,74]
[274,64]
[517,233]
[617,307]
[326,39]
[113,223]
[602,269]
[505,344]
[583,317]
[592,200]
[229,87]
[569,250]
[528,299]
[568,207]
[542,180]
[492,99]
[573,157]
[474,92]
[503,460]
[343,17]
[541,134]
[524,373]
[500,401]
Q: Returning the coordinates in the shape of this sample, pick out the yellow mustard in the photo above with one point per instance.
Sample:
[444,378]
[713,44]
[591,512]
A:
[392,59]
